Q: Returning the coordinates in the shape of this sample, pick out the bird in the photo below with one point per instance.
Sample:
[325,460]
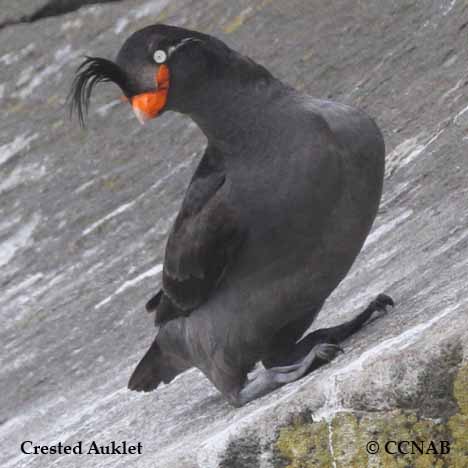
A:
[272,220]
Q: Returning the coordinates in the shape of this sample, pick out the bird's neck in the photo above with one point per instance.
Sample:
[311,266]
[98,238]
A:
[233,114]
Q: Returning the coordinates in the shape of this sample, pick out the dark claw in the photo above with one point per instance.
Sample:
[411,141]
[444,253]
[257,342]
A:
[382,301]
[327,351]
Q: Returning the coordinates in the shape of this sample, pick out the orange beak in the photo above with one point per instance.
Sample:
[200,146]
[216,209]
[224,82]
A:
[149,105]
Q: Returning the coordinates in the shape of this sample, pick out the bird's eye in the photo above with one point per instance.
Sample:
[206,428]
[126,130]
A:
[160,56]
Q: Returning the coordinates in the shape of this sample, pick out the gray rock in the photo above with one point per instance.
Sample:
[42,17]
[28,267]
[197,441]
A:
[19,10]
[85,215]
[24,11]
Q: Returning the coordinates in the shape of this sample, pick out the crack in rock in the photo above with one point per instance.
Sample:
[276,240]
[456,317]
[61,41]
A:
[53,8]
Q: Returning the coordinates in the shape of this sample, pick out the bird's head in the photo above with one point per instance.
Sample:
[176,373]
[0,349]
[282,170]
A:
[159,67]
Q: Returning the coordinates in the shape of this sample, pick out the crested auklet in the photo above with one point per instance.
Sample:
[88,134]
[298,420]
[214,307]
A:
[272,220]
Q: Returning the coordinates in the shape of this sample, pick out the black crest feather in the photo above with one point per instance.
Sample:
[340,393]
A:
[92,71]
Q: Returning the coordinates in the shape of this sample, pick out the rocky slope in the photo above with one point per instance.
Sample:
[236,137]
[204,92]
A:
[85,214]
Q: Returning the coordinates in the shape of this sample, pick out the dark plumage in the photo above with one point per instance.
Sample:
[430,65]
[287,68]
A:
[272,220]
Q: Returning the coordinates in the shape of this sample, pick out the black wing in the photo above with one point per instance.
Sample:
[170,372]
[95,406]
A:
[205,236]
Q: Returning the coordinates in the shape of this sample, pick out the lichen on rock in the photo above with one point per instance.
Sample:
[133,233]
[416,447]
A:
[341,441]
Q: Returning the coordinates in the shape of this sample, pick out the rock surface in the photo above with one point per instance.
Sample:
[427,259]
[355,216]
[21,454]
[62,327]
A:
[85,215]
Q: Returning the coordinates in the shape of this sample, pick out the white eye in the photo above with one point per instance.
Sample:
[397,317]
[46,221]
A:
[160,56]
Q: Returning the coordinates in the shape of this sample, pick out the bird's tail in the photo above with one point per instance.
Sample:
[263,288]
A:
[154,368]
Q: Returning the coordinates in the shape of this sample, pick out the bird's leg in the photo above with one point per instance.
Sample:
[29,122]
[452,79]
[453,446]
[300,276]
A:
[268,380]
[315,349]
[341,332]
[295,352]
